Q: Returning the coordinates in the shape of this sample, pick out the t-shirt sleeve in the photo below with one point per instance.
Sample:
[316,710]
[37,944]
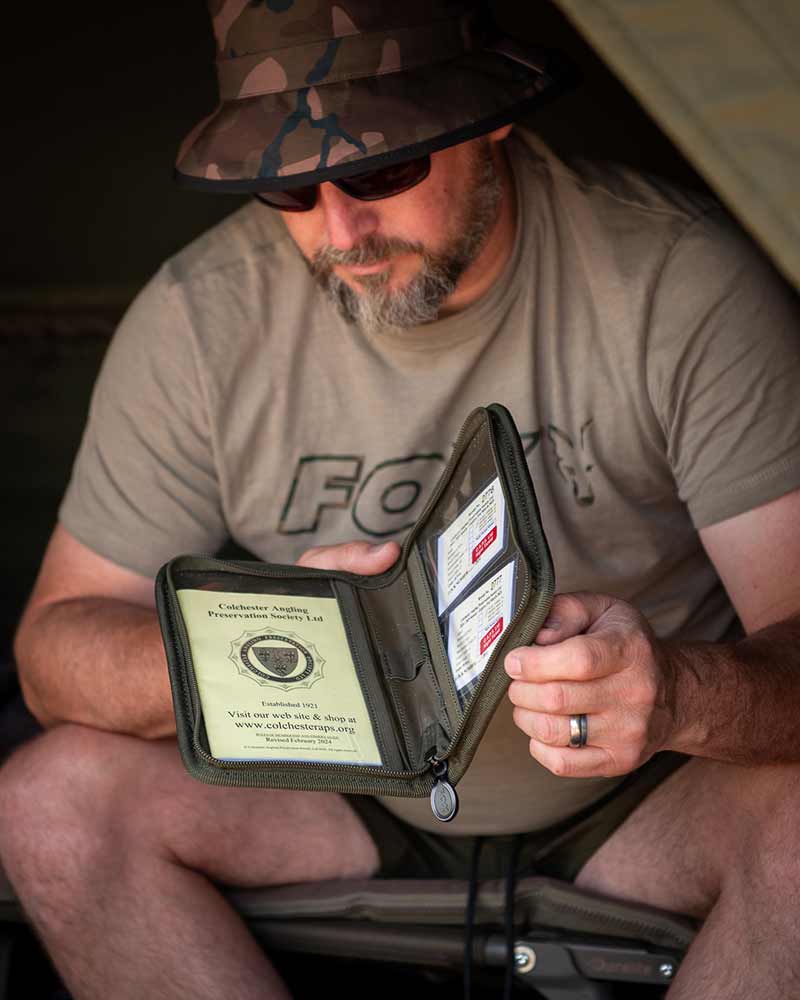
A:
[143,486]
[724,372]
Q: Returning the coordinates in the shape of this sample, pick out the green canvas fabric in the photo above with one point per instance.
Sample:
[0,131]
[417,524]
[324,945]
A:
[721,77]
[540,902]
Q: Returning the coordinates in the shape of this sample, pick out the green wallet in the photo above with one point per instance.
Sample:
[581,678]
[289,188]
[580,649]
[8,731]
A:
[291,677]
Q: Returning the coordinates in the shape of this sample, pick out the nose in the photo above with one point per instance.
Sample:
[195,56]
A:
[347,220]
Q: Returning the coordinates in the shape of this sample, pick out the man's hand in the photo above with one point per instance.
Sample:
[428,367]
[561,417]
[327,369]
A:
[352,557]
[595,656]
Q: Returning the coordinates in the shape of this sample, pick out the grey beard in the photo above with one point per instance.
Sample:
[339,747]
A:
[376,307]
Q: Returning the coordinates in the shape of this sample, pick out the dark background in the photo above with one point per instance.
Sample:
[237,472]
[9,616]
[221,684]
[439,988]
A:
[100,103]
[97,102]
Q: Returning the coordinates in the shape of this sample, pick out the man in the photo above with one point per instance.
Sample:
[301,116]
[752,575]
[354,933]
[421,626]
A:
[651,360]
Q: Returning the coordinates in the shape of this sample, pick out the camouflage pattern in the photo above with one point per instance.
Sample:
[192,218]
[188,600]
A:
[309,85]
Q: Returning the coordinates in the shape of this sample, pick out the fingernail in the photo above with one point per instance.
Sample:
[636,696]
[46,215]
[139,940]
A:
[553,623]
[513,666]
[378,547]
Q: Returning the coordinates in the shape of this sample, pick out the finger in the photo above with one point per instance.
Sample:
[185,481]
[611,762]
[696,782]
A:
[560,697]
[584,762]
[571,614]
[581,658]
[352,557]
[554,730]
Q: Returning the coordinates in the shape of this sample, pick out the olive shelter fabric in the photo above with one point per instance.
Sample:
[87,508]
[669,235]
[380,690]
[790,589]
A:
[722,78]
[648,352]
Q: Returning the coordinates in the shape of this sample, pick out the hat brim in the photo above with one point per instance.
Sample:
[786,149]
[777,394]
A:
[290,139]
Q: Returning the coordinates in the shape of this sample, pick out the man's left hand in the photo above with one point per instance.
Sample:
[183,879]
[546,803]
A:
[595,656]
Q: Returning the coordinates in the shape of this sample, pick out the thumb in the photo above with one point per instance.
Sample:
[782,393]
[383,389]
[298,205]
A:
[352,557]
[571,615]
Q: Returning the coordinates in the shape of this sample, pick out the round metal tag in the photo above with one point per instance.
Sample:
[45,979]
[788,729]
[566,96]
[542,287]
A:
[444,801]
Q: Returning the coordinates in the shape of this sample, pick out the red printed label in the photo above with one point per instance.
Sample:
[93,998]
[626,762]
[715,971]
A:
[484,544]
[491,635]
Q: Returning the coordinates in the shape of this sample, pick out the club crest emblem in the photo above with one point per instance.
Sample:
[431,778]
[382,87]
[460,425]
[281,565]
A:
[278,659]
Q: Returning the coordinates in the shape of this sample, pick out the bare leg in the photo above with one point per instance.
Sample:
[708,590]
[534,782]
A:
[112,847]
[717,842]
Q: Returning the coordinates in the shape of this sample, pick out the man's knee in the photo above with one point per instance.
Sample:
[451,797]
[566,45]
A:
[77,798]
[769,801]
[56,793]
[710,825]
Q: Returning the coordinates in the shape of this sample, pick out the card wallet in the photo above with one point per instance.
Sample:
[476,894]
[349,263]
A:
[290,677]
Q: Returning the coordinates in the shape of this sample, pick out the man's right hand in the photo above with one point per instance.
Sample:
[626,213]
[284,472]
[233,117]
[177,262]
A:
[352,557]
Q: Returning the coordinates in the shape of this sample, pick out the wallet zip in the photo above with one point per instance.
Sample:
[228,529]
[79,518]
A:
[444,798]
[183,643]
[434,777]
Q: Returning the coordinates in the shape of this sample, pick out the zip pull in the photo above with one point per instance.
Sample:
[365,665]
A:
[444,801]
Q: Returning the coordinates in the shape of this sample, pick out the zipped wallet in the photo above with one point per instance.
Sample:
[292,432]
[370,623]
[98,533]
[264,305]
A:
[292,677]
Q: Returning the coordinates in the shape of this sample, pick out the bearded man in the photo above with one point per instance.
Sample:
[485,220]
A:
[294,379]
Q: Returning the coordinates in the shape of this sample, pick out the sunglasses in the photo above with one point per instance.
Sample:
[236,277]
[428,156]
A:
[385,182]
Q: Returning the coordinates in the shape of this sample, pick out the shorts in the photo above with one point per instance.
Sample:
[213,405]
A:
[559,851]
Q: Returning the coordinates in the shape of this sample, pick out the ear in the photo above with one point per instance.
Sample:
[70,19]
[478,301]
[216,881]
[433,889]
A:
[501,133]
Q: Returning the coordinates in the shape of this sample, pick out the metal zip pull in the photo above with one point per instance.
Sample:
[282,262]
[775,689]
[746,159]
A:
[444,801]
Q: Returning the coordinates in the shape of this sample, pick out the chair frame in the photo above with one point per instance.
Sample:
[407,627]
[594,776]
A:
[568,944]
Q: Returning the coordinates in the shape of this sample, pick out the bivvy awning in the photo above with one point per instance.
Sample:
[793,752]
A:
[722,78]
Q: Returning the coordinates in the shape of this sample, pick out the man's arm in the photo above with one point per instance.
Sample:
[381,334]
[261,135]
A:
[89,648]
[746,695]
[730,701]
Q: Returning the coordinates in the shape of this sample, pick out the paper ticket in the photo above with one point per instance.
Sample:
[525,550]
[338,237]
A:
[476,625]
[470,543]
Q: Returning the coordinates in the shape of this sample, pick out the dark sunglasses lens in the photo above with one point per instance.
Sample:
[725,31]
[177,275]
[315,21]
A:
[387,181]
[297,200]
[371,186]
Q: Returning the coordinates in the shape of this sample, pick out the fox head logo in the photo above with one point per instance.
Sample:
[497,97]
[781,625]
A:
[573,461]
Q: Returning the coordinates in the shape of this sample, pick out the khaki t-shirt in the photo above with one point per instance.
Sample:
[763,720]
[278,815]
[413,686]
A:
[648,353]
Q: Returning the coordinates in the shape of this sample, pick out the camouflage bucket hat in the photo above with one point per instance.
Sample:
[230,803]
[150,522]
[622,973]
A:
[311,90]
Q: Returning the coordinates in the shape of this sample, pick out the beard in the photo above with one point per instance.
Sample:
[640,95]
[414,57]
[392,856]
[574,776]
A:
[376,307]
